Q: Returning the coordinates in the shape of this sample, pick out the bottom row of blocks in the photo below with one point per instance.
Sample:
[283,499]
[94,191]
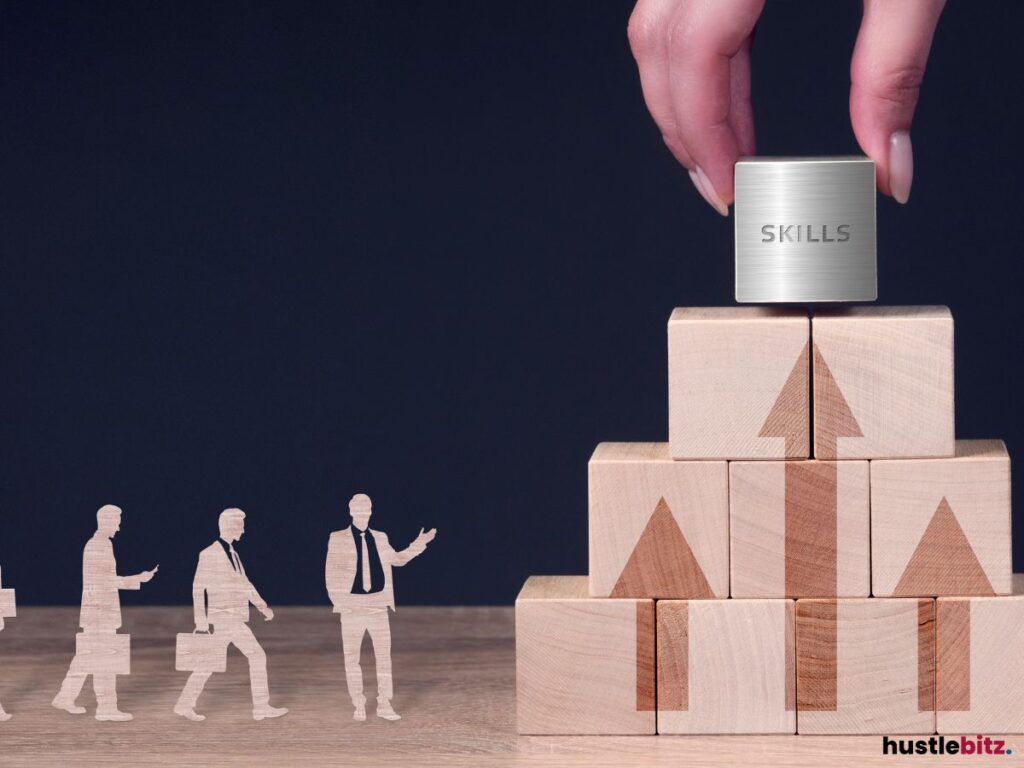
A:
[865,665]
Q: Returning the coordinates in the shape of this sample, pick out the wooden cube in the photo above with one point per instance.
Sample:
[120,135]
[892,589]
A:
[583,665]
[726,666]
[979,682]
[883,382]
[658,527]
[942,526]
[799,528]
[865,665]
[738,383]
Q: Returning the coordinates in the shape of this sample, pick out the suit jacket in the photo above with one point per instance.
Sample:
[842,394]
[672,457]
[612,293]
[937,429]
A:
[219,593]
[340,571]
[101,600]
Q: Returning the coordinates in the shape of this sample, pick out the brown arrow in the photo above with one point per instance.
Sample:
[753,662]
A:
[811,493]
[788,416]
[832,416]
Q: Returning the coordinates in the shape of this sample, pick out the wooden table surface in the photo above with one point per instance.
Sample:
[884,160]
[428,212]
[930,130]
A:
[454,674]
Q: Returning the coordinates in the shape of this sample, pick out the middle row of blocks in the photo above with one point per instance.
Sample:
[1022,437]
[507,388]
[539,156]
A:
[661,528]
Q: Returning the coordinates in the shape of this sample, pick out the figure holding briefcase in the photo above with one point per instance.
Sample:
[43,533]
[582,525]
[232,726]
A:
[99,650]
[221,594]
[7,611]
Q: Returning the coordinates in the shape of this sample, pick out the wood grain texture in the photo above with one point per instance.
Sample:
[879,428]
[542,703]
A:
[877,675]
[658,527]
[893,369]
[942,526]
[980,664]
[576,661]
[738,383]
[673,635]
[799,529]
[926,655]
[456,691]
[817,656]
[732,662]
[953,646]
[646,695]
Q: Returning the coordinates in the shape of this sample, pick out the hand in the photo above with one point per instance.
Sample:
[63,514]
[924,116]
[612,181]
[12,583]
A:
[268,614]
[425,537]
[694,61]
[147,575]
[205,627]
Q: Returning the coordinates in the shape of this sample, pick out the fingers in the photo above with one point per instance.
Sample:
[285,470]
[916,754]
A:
[886,73]
[648,38]
[694,62]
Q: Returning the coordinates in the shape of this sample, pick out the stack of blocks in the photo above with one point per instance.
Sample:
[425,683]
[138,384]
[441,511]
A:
[812,551]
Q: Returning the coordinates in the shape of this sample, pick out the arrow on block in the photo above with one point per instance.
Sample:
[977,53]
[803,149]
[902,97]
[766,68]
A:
[832,416]
[811,493]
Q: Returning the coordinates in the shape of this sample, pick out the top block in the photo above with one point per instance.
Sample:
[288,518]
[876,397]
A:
[738,383]
[883,382]
[805,229]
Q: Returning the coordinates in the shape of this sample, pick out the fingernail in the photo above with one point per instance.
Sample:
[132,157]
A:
[901,166]
[707,191]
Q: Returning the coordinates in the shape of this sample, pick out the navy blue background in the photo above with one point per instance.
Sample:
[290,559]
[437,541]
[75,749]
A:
[270,255]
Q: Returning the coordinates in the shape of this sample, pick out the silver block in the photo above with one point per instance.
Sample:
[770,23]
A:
[805,229]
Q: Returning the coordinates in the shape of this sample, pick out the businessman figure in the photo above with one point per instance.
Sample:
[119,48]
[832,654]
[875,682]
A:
[101,615]
[358,573]
[221,594]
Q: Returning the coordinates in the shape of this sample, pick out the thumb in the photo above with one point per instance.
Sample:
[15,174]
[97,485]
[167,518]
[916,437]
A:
[886,74]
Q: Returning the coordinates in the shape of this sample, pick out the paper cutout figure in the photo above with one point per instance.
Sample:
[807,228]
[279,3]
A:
[221,594]
[99,650]
[8,610]
[358,575]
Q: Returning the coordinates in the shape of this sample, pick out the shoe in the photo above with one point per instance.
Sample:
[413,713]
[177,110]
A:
[268,712]
[113,716]
[385,711]
[360,714]
[189,714]
[68,706]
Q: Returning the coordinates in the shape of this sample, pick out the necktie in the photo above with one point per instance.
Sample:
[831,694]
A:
[366,564]
[235,562]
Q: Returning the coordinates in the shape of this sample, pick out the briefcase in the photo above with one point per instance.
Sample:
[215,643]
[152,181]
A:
[102,653]
[201,652]
[7,606]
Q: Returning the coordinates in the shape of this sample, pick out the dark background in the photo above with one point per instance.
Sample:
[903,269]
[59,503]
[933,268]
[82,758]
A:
[270,255]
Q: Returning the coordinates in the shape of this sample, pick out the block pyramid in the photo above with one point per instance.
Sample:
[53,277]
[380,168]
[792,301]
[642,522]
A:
[812,551]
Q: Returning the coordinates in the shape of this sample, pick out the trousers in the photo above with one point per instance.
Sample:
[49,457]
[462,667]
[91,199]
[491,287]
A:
[239,635]
[104,685]
[356,622]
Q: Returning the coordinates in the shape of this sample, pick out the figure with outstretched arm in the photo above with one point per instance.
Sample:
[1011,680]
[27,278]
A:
[358,575]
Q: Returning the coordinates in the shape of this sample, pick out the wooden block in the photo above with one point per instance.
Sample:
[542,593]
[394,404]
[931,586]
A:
[583,665]
[865,665]
[942,526]
[658,527]
[883,382]
[979,676]
[799,528]
[738,383]
[726,666]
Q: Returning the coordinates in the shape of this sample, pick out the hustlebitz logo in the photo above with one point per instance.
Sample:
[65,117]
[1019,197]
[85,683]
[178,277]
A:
[940,745]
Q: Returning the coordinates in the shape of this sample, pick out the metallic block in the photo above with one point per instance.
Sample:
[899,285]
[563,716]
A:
[805,229]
